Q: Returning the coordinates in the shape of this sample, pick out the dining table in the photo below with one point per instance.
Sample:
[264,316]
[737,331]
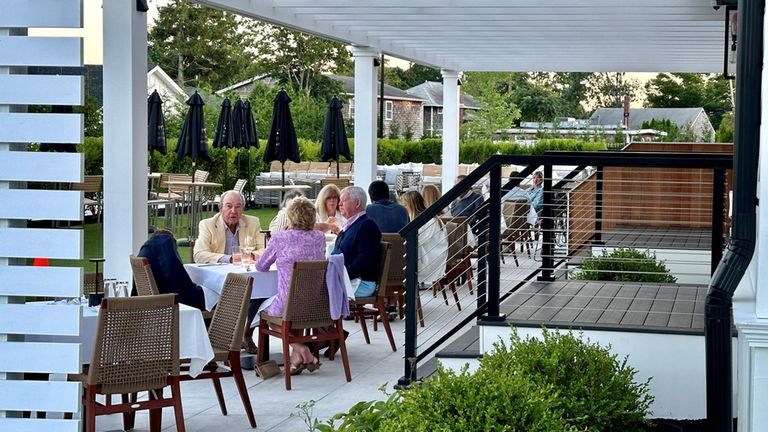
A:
[211,277]
[194,343]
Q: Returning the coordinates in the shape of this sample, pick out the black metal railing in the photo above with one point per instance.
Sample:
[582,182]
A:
[585,192]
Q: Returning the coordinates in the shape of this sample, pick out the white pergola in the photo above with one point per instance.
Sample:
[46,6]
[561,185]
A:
[453,35]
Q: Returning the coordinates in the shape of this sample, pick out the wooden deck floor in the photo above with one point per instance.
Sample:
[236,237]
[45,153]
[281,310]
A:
[657,237]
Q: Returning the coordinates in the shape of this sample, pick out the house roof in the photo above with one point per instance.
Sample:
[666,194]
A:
[389,92]
[679,116]
[432,93]
[162,75]
[514,35]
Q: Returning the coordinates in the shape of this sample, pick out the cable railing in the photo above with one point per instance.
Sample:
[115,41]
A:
[669,206]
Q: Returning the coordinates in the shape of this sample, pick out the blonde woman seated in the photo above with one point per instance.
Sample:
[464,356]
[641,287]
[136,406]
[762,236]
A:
[431,194]
[299,242]
[433,241]
[329,218]
[280,222]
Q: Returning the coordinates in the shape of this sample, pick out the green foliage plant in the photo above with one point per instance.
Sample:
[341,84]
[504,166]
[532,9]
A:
[557,383]
[625,265]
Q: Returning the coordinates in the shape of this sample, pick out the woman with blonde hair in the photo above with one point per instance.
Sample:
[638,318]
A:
[329,216]
[431,194]
[433,240]
[299,242]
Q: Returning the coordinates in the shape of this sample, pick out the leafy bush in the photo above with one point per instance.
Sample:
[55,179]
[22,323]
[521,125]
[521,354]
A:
[560,383]
[624,264]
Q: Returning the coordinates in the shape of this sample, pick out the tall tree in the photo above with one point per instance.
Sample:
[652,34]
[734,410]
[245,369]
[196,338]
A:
[296,59]
[497,109]
[200,46]
[689,90]
[607,89]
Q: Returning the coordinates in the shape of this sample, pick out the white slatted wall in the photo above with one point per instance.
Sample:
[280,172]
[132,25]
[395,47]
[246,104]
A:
[18,204]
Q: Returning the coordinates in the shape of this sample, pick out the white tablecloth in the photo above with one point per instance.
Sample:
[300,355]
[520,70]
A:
[211,277]
[193,336]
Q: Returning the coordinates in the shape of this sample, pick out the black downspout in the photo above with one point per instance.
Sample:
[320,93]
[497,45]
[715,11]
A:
[717,330]
[381,99]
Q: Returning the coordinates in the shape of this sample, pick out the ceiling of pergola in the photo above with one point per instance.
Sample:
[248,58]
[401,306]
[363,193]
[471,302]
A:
[514,35]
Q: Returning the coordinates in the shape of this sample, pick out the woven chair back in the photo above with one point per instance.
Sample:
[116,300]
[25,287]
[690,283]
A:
[457,238]
[515,215]
[307,305]
[396,274]
[228,323]
[143,276]
[137,344]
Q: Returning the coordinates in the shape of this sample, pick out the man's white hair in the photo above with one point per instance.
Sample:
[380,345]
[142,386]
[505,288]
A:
[357,193]
[229,192]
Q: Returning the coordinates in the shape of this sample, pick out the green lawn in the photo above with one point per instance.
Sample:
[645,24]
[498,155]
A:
[93,243]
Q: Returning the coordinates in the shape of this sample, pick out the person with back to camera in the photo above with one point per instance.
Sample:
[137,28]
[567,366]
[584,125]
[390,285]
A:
[390,216]
[431,194]
[298,242]
[433,242]
[467,205]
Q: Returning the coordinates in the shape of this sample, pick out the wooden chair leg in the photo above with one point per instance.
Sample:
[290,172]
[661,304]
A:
[237,372]
[364,327]
[286,357]
[385,324]
[219,394]
[261,355]
[129,418]
[90,409]
[470,274]
[420,310]
[343,348]
[178,412]
[156,414]
[401,304]
[455,295]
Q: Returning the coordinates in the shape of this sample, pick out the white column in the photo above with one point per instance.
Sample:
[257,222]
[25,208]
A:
[125,135]
[450,127]
[365,116]
[761,248]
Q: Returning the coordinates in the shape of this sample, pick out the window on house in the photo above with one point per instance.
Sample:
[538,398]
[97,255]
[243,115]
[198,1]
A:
[389,110]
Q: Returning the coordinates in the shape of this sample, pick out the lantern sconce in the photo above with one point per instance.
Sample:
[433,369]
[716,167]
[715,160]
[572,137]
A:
[730,50]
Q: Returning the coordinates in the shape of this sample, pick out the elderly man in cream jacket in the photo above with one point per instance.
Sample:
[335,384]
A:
[228,228]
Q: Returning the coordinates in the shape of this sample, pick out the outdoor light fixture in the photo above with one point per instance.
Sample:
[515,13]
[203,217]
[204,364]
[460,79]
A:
[142,6]
[730,49]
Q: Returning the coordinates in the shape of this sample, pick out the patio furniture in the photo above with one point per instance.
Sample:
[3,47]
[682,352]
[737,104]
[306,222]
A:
[515,214]
[196,191]
[212,277]
[458,264]
[340,182]
[407,181]
[240,185]
[358,305]
[136,349]
[307,309]
[226,333]
[93,199]
[395,287]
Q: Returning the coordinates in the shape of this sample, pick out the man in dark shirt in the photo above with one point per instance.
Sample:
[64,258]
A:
[390,216]
[467,205]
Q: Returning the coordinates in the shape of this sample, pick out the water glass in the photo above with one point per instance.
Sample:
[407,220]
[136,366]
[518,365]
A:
[110,287]
[122,289]
[236,255]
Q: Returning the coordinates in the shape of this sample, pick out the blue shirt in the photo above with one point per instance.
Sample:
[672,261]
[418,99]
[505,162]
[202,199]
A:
[390,216]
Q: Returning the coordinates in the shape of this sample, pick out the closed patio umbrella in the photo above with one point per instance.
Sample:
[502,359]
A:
[155,126]
[225,132]
[249,137]
[282,144]
[192,140]
[335,141]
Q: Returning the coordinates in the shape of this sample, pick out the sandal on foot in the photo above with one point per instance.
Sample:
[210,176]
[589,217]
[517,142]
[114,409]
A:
[315,365]
[297,369]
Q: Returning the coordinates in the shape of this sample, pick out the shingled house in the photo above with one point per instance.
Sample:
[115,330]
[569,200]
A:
[695,118]
[432,93]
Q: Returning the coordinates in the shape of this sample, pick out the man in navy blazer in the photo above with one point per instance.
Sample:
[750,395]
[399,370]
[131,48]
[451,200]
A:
[358,241]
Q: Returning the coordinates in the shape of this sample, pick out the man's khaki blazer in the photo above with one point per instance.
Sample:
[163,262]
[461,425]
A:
[209,246]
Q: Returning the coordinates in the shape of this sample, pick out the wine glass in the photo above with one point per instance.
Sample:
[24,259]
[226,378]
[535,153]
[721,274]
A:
[248,248]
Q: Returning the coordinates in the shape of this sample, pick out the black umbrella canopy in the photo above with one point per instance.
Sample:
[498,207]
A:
[335,141]
[282,144]
[224,131]
[251,139]
[156,124]
[55,147]
[192,140]
[239,138]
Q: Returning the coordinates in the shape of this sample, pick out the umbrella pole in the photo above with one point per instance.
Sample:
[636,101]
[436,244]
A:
[192,204]
[226,168]
[337,167]
[248,179]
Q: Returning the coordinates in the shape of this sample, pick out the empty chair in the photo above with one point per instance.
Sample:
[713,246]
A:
[395,288]
[92,194]
[201,176]
[515,214]
[340,182]
[240,185]
[136,349]
[458,265]
[226,334]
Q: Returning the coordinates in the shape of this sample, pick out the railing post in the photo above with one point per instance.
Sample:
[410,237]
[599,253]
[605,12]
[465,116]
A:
[547,228]
[482,262]
[494,243]
[411,291]
[597,238]
[718,215]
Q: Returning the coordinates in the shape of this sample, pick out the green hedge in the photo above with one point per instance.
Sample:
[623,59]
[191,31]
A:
[390,151]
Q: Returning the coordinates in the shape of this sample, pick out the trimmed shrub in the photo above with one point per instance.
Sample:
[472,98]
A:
[624,264]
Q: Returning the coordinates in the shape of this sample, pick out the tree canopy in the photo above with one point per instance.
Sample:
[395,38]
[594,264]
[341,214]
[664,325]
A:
[687,90]
[201,47]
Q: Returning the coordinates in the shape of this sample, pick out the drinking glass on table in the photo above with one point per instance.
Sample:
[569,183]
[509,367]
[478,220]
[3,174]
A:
[248,247]
[236,255]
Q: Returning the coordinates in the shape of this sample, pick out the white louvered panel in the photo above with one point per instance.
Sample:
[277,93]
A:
[42,13]
[60,319]
[41,242]
[39,425]
[41,281]
[42,167]
[41,51]
[40,357]
[41,89]
[34,127]
[26,204]
[49,396]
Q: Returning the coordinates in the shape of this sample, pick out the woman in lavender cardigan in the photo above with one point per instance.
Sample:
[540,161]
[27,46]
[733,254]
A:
[300,242]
